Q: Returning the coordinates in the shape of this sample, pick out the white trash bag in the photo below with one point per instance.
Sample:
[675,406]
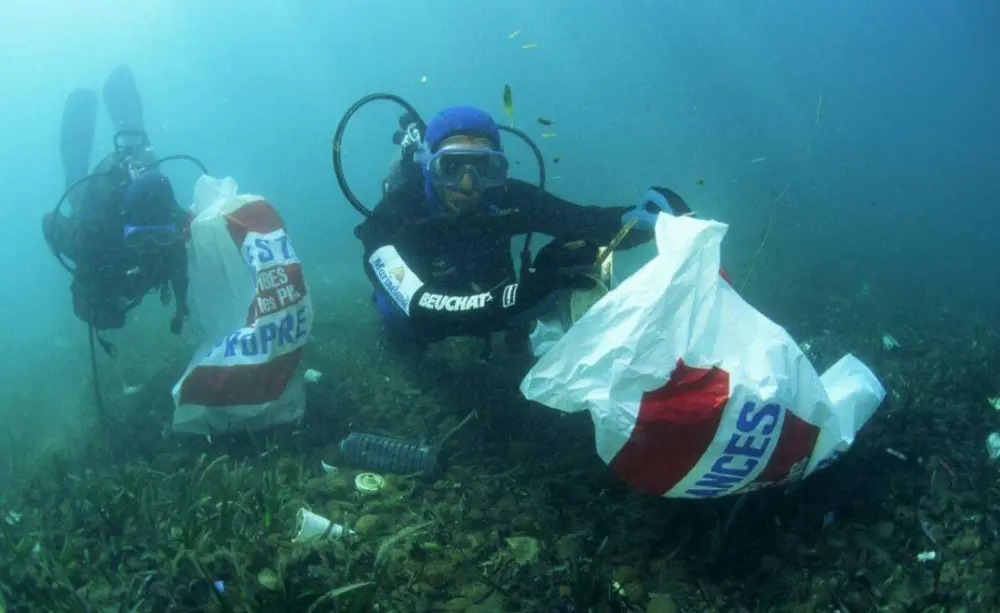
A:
[249,295]
[693,392]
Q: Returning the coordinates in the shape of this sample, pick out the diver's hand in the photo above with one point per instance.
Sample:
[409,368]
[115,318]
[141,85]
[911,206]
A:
[562,261]
[561,265]
[656,200]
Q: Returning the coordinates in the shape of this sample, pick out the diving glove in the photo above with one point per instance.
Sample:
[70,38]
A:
[560,266]
[655,201]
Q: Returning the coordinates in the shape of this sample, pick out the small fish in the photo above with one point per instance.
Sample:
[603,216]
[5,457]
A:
[545,121]
[556,159]
[700,182]
[757,160]
[527,46]
[549,135]
[508,103]
[514,34]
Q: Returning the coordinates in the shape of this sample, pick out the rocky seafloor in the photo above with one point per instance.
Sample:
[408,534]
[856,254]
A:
[524,516]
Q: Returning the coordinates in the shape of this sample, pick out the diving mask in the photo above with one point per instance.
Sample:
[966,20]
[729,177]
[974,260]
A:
[448,166]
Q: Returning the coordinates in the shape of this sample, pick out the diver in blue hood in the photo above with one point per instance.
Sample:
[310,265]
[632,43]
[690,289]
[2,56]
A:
[430,283]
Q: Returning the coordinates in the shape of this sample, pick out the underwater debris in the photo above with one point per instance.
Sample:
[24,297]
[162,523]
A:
[268,579]
[369,483]
[896,454]
[993,446]
[312,376]
[310,526]
[386,454]
[525,548]
[394,455]
[889,343]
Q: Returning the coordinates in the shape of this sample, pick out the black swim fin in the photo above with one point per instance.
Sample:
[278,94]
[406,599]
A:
[121,97]
[77,135]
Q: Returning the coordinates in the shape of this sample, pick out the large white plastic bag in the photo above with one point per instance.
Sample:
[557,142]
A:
[249,295]
[693,392]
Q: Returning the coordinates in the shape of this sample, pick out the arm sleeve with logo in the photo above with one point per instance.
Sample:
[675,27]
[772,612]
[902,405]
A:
[434,314]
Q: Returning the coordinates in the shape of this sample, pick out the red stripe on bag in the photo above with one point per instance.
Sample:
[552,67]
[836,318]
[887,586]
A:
[791,455]
[257,216]
[239,384]
[675,425]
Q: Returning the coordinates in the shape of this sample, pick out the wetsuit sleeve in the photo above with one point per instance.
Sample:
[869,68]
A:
[555,216]
[430,312]
[434,314]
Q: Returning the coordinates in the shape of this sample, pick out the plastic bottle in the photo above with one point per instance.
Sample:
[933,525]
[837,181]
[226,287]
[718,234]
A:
[386,454]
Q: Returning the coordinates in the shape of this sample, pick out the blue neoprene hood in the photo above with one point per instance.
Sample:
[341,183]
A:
[450,121]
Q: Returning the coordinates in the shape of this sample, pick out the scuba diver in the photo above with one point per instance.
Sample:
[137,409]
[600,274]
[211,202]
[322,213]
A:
[437,246]
[125,233]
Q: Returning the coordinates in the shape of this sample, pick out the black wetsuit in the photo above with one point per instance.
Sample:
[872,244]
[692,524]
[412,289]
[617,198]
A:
[459,279]
[110,279]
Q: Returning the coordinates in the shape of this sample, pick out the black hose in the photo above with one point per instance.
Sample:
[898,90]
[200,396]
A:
[526,250]
[181,156]
[98,399]
[338,136]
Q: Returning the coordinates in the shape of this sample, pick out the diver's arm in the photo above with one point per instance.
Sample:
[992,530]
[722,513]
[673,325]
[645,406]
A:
[431,313]
[434,314]
[555,216]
